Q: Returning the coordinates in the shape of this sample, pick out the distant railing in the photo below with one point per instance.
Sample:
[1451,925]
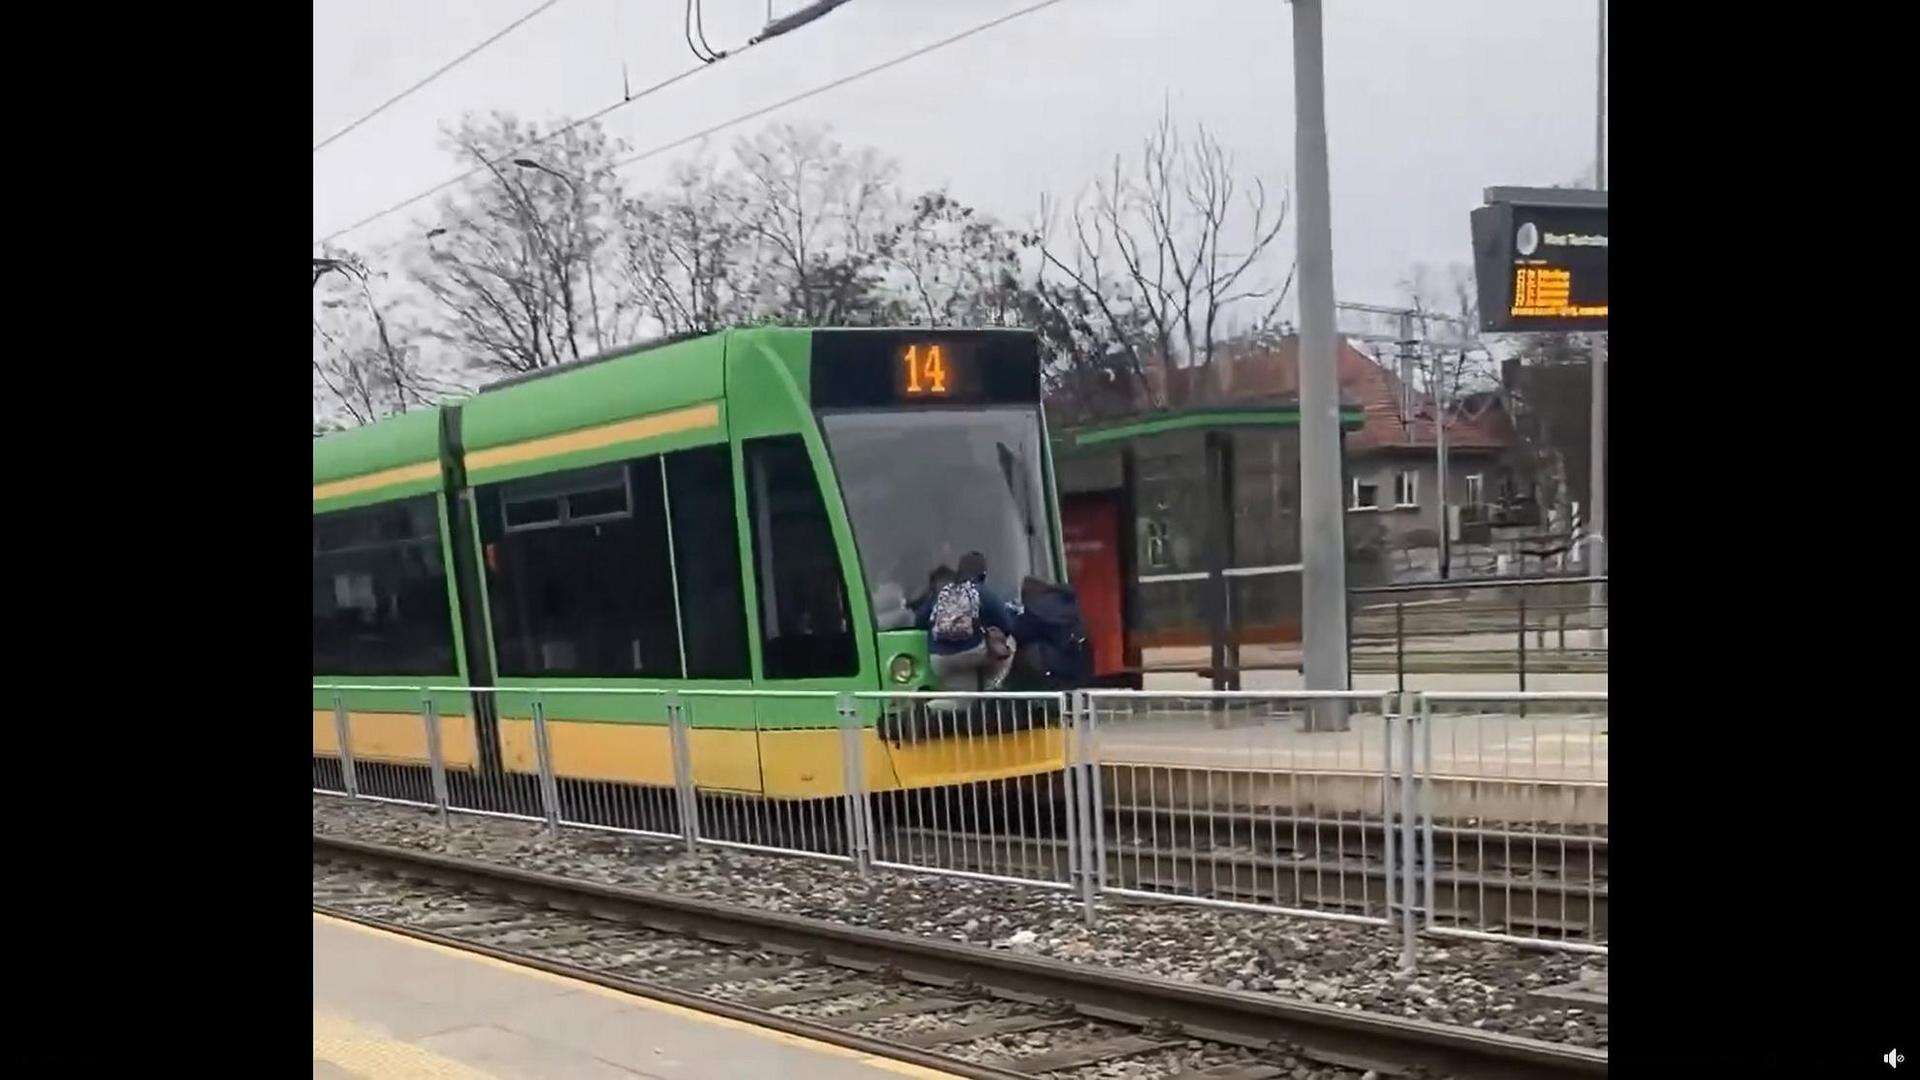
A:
[1519,626]
[1504,515]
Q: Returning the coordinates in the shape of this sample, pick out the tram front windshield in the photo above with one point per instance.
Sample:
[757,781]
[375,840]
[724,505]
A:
[925,487]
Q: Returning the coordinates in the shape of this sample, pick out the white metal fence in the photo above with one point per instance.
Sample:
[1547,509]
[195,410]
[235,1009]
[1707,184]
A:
[1010,823]
[1480,815]
[1513,815]
[1244,798]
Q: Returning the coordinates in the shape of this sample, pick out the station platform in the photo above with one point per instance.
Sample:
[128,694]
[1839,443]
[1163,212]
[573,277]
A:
[1455,665]
[1484,746]
[1492,765]
[388,1006]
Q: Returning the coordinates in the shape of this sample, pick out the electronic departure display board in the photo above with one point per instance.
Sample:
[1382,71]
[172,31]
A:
[875,368]
[1540,260]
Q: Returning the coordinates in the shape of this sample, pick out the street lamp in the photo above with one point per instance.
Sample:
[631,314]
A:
[599,342]
[322,267]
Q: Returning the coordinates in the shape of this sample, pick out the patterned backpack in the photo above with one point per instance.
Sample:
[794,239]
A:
[956,612]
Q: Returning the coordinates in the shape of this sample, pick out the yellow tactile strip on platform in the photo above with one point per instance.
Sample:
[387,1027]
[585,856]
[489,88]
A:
[901,1068]
[339,1041]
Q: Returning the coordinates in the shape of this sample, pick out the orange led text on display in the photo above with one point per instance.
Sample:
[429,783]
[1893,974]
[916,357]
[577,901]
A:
[926,370]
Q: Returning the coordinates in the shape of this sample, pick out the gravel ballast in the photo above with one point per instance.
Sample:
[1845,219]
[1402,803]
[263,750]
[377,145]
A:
[1470,984]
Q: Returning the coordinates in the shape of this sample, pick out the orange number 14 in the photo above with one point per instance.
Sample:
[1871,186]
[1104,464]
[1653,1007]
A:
[934,369]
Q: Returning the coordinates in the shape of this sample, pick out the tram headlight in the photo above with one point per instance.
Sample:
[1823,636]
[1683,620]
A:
[901,669]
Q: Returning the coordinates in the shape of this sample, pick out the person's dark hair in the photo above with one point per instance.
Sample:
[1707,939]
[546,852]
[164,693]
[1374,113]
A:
[973,565]
[941,575]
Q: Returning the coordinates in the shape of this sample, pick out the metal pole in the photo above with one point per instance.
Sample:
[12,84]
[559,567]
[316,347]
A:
[599,343]
[853,769]
[343,739]
[1400,646]
[1523,645]
[1597,472]
[1097,812]
[1426,801]
[573,188]
[1440,470]
[1322,525]
[687,796]
[1406,371]
[1085,772]
[1386,814]
[1600,108]
[1408,852]
[543,753]
[430,716]
[1597,496]
[593,297]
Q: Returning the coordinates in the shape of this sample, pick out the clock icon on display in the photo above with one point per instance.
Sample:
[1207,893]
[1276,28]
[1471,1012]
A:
[1527,239]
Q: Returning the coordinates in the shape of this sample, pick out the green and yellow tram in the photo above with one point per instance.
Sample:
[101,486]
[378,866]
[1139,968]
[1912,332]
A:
[749,510]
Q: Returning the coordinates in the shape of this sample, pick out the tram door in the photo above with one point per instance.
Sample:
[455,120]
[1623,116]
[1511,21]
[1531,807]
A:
[1091,523]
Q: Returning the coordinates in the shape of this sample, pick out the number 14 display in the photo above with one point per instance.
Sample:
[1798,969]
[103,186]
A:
[926,372]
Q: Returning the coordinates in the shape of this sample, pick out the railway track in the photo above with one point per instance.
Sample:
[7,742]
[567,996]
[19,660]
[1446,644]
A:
[1548,886]
[1515,876]
[966,1010]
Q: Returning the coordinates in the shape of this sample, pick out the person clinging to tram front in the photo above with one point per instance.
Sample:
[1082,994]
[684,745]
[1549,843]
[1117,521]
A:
[969,629]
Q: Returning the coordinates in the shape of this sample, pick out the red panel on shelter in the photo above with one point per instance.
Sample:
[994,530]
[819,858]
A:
[1091,524]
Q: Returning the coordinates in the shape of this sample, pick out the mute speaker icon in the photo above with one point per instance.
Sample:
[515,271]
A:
[1893,1058]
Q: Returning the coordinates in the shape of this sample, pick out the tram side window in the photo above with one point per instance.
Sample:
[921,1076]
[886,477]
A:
[578,578]
[706,550]
[380,591]
[805,627]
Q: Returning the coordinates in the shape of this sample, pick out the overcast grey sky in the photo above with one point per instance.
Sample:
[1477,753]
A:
[1428,101]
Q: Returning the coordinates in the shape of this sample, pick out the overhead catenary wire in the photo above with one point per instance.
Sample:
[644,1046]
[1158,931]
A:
[554,134]
[698,9]
[627,99]
[833,84]
[442,70]
[706,56]
[703,133]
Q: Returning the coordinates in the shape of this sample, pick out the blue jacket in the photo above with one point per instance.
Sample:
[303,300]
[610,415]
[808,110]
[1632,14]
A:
[993,612]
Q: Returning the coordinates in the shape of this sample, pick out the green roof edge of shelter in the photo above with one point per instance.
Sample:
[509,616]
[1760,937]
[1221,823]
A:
[1186,419]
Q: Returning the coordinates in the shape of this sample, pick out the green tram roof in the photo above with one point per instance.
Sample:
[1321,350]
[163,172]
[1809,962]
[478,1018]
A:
[392,442]
[646,380]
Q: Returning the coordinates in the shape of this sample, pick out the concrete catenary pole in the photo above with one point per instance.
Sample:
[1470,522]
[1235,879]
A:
[1441,399]
[1597,445]
[1323,599]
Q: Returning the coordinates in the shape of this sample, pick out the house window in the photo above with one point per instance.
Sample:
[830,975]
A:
[1476,489]
[1406,489]
[1365,496]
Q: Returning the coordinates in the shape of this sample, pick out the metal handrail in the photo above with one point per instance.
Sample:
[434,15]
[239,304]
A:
[1321,695]
[1480,583]
[825,695]
[1514,695]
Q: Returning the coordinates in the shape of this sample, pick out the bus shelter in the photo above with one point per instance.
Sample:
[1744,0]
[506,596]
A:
[1182,531]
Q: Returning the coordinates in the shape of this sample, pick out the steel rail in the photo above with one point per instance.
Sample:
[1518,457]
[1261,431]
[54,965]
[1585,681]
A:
[1238,1017]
